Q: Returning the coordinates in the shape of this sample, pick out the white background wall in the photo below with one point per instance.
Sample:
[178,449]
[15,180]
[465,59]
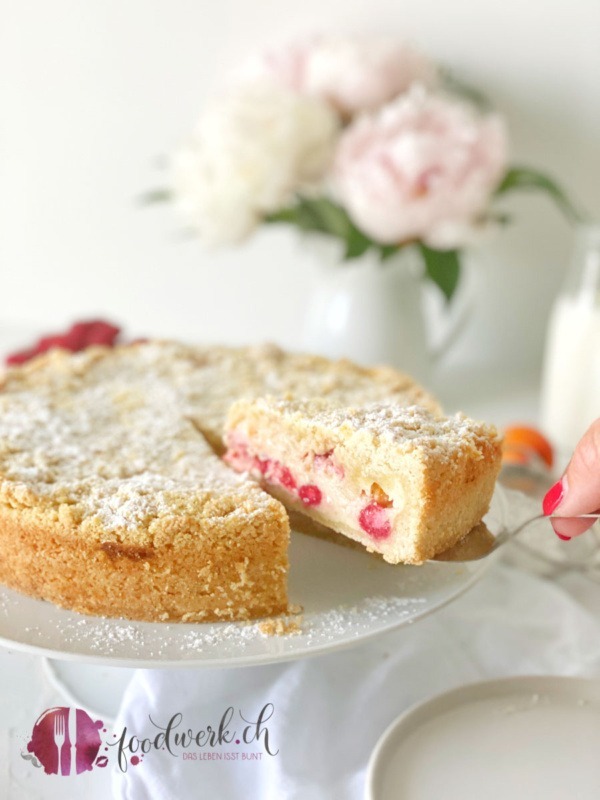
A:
[91,93]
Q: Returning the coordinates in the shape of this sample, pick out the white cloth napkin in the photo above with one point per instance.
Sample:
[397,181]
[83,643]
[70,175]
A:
[330,710]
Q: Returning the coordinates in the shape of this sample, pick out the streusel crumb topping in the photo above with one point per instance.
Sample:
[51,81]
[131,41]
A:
[118,436]
[111,438]
[405,427]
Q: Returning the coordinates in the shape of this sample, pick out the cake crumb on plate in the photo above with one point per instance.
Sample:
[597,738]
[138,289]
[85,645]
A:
[279,626]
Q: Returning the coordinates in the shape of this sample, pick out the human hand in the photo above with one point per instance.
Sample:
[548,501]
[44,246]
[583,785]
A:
[578,491]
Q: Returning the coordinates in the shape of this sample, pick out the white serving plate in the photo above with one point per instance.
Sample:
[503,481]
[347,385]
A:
[347,596]
[531,738]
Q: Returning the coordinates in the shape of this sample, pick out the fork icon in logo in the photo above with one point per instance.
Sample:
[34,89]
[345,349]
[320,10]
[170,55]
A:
[59,741]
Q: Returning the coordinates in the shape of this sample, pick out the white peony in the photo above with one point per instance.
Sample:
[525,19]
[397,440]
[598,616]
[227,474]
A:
[252,151]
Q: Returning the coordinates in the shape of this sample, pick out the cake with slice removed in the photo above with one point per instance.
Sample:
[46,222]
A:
[112,498]
[399,480]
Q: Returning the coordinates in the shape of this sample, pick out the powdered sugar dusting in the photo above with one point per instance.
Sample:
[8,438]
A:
[407,427]
[113,639]
[112,438]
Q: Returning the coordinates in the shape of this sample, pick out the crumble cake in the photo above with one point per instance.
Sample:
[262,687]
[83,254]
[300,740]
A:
[399,480]
[112,499]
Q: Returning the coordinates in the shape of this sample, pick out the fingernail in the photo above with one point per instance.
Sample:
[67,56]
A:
[554,497]
[564,538]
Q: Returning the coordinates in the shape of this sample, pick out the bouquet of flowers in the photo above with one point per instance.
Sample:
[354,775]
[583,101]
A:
[362,139]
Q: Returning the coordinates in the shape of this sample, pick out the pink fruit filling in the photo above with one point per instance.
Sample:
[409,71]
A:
[310,494]
[327,463]
[277,473]
[239,457]
[261,465]
[373,519]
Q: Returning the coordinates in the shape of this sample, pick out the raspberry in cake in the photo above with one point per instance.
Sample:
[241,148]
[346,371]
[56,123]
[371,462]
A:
[399,480]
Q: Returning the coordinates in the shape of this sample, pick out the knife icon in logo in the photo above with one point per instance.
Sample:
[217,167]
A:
[73,741]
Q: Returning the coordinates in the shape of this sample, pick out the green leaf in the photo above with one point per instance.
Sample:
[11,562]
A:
[332,218]
[388,250]
[324,216]
[443,268]
[310,214]
[156,196]
[356,244]
[531,179]
[283,215]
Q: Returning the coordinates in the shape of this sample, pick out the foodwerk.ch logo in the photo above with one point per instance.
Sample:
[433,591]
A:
[67,741]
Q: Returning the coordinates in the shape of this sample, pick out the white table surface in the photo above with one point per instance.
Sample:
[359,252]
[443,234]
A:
[25,690]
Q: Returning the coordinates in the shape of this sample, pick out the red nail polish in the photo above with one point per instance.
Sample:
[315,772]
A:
[553,498]
[564,538]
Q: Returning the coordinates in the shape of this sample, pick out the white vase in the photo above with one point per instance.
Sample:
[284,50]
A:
[367,310]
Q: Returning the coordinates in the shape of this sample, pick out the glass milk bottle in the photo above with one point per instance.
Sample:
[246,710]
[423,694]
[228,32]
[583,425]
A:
[571,377]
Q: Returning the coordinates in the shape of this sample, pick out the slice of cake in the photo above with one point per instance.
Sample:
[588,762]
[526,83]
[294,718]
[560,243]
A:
[112,503]
[399,480]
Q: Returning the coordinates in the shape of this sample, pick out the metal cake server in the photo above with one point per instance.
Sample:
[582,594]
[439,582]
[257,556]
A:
[481,542]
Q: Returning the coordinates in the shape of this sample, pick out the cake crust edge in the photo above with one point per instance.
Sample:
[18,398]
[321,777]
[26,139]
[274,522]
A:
[183,580]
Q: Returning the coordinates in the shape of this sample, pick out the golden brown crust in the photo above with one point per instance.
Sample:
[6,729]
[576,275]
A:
[199,576]
[456,498]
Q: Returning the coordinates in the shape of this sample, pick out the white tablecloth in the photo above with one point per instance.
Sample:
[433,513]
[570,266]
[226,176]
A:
[329,711]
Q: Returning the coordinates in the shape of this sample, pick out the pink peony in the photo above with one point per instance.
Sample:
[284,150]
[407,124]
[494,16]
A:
[352,74]
[423,168]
